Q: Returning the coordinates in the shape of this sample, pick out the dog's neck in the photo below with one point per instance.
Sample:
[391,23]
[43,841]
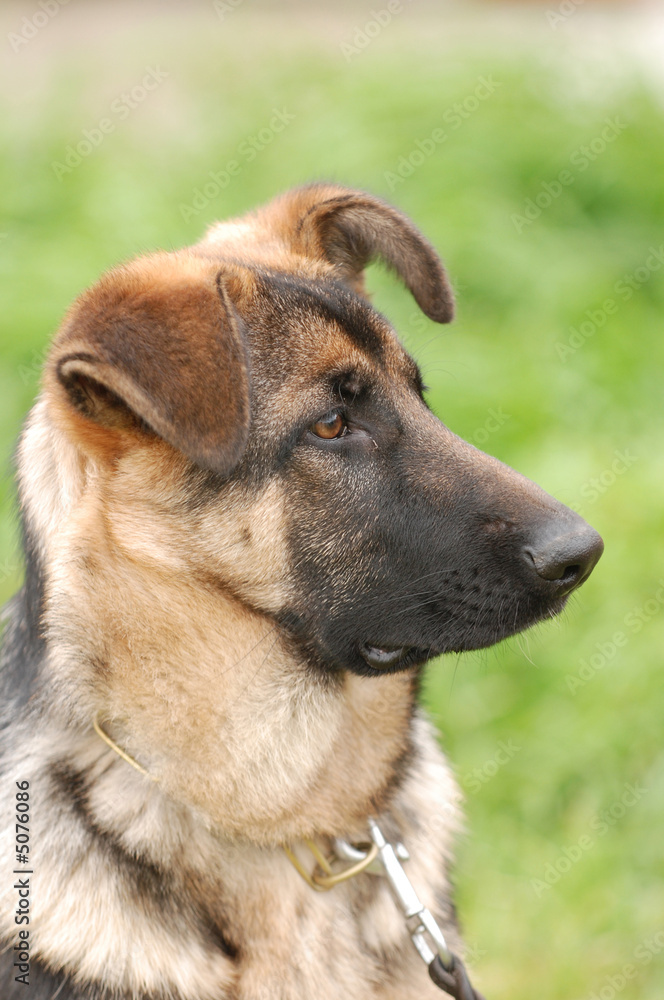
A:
[202,897]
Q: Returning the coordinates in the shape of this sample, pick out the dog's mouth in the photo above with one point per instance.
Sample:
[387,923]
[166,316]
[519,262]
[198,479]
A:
[388,658]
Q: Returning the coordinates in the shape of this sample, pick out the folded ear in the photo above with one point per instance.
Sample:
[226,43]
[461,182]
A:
[157,347]
[350,229]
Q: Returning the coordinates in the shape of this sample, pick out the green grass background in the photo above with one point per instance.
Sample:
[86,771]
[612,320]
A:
[519,293]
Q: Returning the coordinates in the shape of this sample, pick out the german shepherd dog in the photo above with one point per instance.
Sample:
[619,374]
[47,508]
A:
[245,534]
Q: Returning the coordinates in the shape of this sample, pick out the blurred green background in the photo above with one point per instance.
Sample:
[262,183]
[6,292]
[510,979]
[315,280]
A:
[543,189]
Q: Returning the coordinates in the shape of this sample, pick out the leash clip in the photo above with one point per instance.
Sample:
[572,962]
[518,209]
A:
[425,933]
[446,969]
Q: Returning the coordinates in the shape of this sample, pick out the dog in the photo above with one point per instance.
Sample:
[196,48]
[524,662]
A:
[245,534]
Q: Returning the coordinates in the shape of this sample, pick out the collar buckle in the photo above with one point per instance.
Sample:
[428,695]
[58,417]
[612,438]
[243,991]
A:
[327,872]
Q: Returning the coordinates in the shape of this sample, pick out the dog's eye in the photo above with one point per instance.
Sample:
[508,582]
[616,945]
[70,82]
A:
[331,426]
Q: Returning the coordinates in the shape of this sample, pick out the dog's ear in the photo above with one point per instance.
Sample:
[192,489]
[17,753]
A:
[156,347]
[349,229]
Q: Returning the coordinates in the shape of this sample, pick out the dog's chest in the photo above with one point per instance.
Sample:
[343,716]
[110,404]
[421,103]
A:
[347,944]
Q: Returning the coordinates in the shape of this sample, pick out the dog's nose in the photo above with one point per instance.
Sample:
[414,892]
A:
[566,558]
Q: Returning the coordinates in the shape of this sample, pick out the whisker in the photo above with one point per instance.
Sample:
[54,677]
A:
[250,650]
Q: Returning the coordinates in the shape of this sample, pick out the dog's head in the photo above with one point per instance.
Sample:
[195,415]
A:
[262,421]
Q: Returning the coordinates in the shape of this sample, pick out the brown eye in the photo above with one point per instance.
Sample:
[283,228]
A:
[331,426]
